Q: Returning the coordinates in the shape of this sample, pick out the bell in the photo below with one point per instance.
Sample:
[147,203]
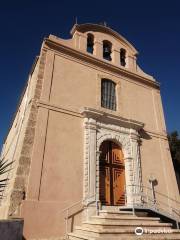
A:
[106,50]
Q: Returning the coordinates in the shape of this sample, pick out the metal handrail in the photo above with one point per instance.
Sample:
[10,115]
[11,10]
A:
[76,204]
[73,205]
[154,201]
[146,201]
[154,204]
[149,188]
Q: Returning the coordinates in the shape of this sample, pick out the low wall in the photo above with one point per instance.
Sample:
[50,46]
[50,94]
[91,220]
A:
[11,229]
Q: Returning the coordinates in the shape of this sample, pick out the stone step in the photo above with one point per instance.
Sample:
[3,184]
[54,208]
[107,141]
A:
[74,236]
[119,222]
[125,219]
[119,234]
[114,213]
[113,224]
[116,232]
[110,208]
[121,209]
[125,225]
[93,232]
[173,236]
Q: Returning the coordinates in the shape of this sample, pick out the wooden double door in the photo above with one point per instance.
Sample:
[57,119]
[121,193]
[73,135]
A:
[112,174]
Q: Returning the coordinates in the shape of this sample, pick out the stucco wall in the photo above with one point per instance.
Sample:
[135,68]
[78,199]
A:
[53,139]
[60,180]
[63,159]
[80,88]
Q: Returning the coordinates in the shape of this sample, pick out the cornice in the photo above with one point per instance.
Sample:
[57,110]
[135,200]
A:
[157,134]
[100,115]
[54,107]
[85,57]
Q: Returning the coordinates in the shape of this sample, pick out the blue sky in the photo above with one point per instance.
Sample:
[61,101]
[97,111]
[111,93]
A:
[151,26]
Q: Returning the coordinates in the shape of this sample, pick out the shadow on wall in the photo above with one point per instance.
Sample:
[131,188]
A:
[143,134]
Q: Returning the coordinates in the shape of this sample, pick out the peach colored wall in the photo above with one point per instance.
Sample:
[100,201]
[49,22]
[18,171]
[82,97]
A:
[56,174]
[46,220]
[134,100]
[78,88]
[156,160]
[73,88]
[63,159]
[57,182]
[57,162]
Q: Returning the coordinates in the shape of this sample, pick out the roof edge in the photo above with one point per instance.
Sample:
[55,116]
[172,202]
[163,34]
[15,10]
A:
[97,27]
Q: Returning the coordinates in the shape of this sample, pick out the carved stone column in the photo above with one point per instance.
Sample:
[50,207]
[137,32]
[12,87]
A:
[90,160]
[97,174]
[129,179]
[136,167]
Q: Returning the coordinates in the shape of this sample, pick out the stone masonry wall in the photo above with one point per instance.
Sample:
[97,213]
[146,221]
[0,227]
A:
[19,189]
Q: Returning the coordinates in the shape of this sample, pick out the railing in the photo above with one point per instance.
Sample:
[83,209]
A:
[84,204]
[158,202]
[145,199]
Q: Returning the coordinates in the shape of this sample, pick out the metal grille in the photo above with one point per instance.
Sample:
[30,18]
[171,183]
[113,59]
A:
[108,94]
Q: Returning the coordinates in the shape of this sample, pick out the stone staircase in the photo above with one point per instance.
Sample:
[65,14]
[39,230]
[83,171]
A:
[120,225]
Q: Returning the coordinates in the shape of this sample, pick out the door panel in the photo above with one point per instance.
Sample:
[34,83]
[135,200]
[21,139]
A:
[118,186]
[112,174]
[105,186]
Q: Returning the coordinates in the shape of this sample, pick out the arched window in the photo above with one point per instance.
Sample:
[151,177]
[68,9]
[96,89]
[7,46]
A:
[108,94]
[123,57]
[90,43]
[107,48]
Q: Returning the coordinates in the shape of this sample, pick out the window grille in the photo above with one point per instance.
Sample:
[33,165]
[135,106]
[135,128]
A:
[108,94]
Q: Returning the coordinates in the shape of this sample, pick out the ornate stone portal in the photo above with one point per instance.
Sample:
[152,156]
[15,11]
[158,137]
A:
[99,127]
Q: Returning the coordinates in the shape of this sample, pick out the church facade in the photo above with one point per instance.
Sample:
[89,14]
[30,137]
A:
[89,130]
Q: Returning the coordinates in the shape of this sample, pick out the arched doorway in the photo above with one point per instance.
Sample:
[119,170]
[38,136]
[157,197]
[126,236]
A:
[112,174]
